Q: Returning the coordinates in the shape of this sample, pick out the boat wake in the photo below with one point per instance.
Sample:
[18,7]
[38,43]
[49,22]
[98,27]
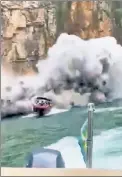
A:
[52,112]
[56,111]
[107,150]
[70,151]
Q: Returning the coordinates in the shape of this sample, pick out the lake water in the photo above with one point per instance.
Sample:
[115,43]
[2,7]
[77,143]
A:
[23,134]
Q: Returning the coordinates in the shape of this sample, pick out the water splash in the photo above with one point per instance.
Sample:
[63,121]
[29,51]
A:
[92,66]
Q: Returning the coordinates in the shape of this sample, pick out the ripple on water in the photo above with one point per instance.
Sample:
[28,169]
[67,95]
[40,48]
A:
[20,136]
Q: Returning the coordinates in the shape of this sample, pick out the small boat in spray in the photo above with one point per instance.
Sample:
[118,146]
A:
[42,105]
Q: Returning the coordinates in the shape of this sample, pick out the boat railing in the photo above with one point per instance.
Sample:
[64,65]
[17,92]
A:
[87,136]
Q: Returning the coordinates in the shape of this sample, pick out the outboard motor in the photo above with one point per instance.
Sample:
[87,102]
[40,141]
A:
[45,158]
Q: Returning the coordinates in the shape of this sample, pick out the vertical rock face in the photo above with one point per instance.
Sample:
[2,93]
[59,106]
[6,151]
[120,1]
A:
[89,19]
[29,28]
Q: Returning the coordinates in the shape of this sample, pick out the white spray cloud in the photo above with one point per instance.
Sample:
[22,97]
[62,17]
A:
[72,63]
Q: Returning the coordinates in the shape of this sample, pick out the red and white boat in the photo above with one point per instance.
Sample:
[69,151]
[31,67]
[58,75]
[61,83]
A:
[42,105]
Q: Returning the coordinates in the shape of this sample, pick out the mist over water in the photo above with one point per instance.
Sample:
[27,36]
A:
[92,66]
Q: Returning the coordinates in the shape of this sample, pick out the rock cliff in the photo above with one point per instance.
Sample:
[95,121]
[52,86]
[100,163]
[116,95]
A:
[29,28]
[90,19]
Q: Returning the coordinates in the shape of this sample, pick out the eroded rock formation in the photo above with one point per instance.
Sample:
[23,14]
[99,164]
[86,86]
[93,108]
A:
[29,28]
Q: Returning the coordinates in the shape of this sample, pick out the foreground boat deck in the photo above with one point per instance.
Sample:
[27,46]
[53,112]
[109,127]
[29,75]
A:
[57,172]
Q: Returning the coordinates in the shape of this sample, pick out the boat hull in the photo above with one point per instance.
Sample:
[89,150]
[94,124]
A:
[41,111]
